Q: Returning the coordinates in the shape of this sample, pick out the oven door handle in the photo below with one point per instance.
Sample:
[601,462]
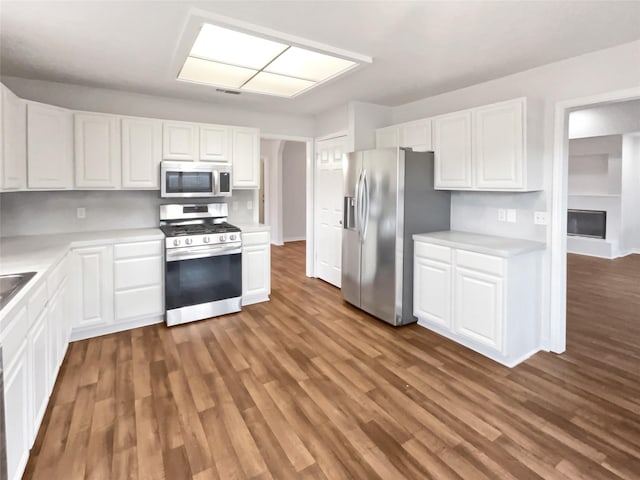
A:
[175,255]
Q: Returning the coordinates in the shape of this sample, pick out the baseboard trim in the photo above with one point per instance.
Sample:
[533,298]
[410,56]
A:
[90,332]
[248,300]
[295,239]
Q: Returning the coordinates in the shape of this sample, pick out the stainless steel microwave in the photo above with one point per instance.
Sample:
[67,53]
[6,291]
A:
[194,179]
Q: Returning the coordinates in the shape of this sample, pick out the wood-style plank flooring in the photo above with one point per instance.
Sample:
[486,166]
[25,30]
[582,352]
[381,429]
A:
[306,386]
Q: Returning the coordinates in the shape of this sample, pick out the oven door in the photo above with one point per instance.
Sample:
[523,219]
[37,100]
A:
[202,282]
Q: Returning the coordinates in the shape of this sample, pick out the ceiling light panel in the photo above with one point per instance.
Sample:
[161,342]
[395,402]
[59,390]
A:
[234,48]
[301,63]
[280,85]
[214,73]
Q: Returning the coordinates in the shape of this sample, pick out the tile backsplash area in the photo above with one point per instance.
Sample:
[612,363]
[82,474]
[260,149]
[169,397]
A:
[33,213]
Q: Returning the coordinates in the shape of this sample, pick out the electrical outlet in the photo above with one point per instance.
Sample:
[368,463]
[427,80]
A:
[234,205]
[511,215]
[502,215]
[249,205]
[540,218]
[81,212]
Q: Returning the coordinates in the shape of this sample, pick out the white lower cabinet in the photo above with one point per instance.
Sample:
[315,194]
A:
[256,267]
[17,407]
[92,273]
[40,364]
[485,302]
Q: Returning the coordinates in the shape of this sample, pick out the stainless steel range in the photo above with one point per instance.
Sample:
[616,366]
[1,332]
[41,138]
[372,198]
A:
[203,270]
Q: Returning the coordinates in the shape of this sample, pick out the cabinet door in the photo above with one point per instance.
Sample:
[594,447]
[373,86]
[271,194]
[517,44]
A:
[452,150]
[479,307]
[49,147]
[40,369]
[93,286]
[256,273]
[416,135]
[214,143]
[387,137]
[17,408]
[138,287]
[97,150]
[246,158]
[498,147]
[432,292]
[141,152]
[13,152]
[179,141]
[57,332]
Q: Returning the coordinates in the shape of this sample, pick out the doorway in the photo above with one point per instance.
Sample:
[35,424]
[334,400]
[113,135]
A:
[558,232]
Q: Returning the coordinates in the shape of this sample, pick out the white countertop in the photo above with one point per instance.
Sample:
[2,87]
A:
[489,244]
[38,253]
[253,227]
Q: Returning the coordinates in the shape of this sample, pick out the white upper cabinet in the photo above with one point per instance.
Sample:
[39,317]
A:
[246,157]
[97,150]
[13,142]
[141,152]
[496,147]
[387,137]
[49,147]
[498,141]
[179,141]
[416,135]
[215,144]
[452,150]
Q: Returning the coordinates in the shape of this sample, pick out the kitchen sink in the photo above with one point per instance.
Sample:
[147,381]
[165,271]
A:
[11,284]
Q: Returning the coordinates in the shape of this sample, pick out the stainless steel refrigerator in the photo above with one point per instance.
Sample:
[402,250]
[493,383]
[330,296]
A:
[389,196]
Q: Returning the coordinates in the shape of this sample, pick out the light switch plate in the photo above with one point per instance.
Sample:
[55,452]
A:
[249,205]
[502,215]
[511,215]
[81,212]
[540,218]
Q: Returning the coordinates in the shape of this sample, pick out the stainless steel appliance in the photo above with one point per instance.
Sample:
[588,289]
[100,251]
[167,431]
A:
[203,268]
[195,179]
[389,196]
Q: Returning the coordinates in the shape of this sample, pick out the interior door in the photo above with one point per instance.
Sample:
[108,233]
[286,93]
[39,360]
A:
[378,267]
[329,198]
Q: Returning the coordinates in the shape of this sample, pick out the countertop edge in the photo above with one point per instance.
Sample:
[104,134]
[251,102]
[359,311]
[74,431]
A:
[526,246]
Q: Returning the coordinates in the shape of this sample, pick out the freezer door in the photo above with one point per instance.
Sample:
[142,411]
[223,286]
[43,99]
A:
[352,169]
[378,265]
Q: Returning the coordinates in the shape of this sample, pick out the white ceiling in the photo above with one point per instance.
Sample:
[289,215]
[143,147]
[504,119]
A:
[418,48]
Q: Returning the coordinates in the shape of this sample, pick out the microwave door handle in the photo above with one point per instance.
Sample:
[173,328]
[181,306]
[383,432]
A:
[215,182]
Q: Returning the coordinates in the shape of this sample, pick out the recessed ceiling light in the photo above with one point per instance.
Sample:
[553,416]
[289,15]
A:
[273,84]
[214,73]
[223,57]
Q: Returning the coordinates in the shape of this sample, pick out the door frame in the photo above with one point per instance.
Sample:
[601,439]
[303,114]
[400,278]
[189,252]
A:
[310,180]
[331,136]
[556,328]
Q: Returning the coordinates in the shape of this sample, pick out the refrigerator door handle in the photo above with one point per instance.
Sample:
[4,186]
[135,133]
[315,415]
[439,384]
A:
[358,199]
[365,205]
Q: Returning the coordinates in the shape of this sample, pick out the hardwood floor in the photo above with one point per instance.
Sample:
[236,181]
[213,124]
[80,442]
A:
[306,386]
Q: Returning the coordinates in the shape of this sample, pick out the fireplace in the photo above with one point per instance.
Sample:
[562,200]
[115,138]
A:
[587,223]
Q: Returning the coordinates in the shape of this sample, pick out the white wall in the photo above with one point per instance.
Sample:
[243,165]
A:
[615,118]
[294,191]
[127,103]
[332,121]
[595,165]
[363,119]
[31,213]
[630,236]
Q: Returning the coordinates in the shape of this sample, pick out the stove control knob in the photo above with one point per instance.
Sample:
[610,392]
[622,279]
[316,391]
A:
[188,241]
[232,237]
[223,238]
[206,239]
[176,242]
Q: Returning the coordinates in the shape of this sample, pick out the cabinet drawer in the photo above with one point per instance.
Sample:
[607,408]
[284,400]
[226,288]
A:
[57,276]
[138,249]
[255,238]
[434,252]
[138,272]
[479,261]
[139,302]
[37,301]
[14,336]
